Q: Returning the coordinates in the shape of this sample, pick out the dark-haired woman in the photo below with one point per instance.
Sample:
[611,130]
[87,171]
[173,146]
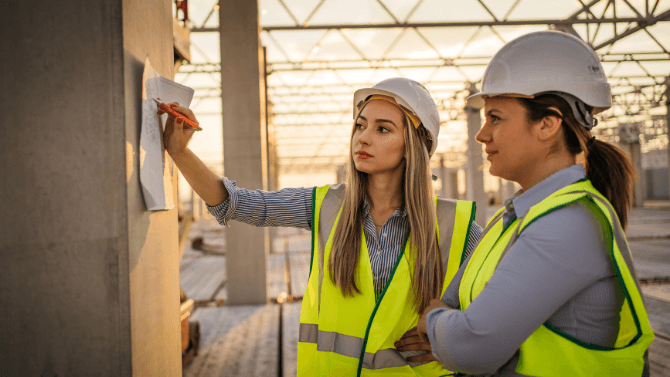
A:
[383,244]
[550,289]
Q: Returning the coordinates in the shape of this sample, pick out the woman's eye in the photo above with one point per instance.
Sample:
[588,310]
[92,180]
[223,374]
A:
[359,126]
[383,130]
[494,118]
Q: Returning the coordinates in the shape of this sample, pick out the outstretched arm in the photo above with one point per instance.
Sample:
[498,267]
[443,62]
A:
[203,180]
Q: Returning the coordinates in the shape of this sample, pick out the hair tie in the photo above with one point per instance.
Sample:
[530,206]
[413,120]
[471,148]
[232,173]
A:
[590,142]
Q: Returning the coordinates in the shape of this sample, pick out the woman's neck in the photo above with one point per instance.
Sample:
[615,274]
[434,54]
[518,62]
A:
[544,169]
[385,191]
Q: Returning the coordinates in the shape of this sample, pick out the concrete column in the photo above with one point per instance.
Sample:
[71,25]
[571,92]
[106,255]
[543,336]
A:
[89,279]
[475,177]
[667,118]
[446,182]
[629,138]
[244,144]
[501,190]
[453,174]
[638,186]
[510,189]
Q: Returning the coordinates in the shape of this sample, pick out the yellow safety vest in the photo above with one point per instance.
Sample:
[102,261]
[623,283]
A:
[349,336]
[549,352]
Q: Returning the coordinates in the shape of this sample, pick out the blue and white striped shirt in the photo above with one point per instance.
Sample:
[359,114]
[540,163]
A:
[292,207]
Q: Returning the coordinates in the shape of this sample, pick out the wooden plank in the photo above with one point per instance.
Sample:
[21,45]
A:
[659,351]
[200,279]
[222,295]
[658,311]
[290,326]
[237,341]
[299,271]
[657,291]
[659,357]
[651,258]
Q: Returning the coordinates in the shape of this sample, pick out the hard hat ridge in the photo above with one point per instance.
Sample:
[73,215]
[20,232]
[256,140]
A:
[548,62]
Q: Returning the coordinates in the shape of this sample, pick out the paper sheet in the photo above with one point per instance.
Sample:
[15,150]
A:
[156,166]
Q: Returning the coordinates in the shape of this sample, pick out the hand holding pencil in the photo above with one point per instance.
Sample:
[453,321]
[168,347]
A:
[179,127]
[170,110]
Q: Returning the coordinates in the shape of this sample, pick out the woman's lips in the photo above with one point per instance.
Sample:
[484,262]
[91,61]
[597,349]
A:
[363,155]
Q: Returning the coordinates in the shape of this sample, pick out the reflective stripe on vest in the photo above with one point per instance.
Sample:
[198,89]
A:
[548,352]
[333,343]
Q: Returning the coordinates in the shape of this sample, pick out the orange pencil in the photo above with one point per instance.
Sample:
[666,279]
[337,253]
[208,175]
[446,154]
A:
[163,106]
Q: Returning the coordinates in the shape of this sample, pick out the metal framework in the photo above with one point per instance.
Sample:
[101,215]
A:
[315,64]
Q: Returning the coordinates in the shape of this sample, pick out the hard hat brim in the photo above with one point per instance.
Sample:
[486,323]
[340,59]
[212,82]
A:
[361,94]
[598,103]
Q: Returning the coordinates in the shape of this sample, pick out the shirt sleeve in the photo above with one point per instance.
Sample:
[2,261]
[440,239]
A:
[558,256]
[289,207]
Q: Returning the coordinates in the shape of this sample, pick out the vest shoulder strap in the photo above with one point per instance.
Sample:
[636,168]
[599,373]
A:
[329,210]
[446,213]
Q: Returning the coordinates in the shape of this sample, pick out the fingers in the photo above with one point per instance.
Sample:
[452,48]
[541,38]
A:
[180,109]
[415,347]
[410,332]
[422,358]
[408,340]
[183,110]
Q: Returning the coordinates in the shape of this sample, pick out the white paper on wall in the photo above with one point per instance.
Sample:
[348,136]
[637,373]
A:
[156,166]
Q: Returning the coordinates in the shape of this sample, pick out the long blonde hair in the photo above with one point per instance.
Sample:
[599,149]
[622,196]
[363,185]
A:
[420,206]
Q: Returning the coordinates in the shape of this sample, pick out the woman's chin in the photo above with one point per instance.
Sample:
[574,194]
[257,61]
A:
[363,167]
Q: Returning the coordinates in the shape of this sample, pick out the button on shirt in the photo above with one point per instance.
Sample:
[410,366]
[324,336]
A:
[292,207]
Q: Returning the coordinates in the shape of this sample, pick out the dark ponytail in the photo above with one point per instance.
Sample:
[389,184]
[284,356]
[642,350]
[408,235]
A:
[607,167]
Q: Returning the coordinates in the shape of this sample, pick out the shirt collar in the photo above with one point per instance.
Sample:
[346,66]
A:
[522,201]
[401,212]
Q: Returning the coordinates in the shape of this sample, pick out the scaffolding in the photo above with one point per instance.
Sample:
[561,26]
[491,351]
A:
[320,51]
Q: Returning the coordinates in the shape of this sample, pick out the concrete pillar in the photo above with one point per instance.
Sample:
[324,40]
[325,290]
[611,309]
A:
[510,190]
[89,280]
[475,177]
[244,144]
[629,138]
[446,181]
[667,118]
[638,186]
[501,190]
[453,180]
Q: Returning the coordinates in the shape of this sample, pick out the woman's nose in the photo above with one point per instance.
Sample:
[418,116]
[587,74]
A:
[483,135]
[364,136]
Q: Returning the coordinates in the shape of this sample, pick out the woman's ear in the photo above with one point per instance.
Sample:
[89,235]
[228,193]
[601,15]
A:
[548,127]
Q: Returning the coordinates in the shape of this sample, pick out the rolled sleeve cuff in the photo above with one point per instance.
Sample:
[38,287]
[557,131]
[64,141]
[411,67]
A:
[435,319]
[225,211]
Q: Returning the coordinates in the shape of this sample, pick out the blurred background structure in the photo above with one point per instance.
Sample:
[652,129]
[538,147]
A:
[90,278]
[318,52]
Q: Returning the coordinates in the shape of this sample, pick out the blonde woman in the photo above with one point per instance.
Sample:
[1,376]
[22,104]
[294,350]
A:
[551,288]
[383,244]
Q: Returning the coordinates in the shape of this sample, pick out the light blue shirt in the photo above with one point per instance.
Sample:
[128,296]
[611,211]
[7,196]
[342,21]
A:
[558,271]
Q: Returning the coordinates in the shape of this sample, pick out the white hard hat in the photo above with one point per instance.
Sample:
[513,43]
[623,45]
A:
[548,61]
[409,94]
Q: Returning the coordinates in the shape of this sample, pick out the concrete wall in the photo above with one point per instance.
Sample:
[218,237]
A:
[88,279]
[153,255]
